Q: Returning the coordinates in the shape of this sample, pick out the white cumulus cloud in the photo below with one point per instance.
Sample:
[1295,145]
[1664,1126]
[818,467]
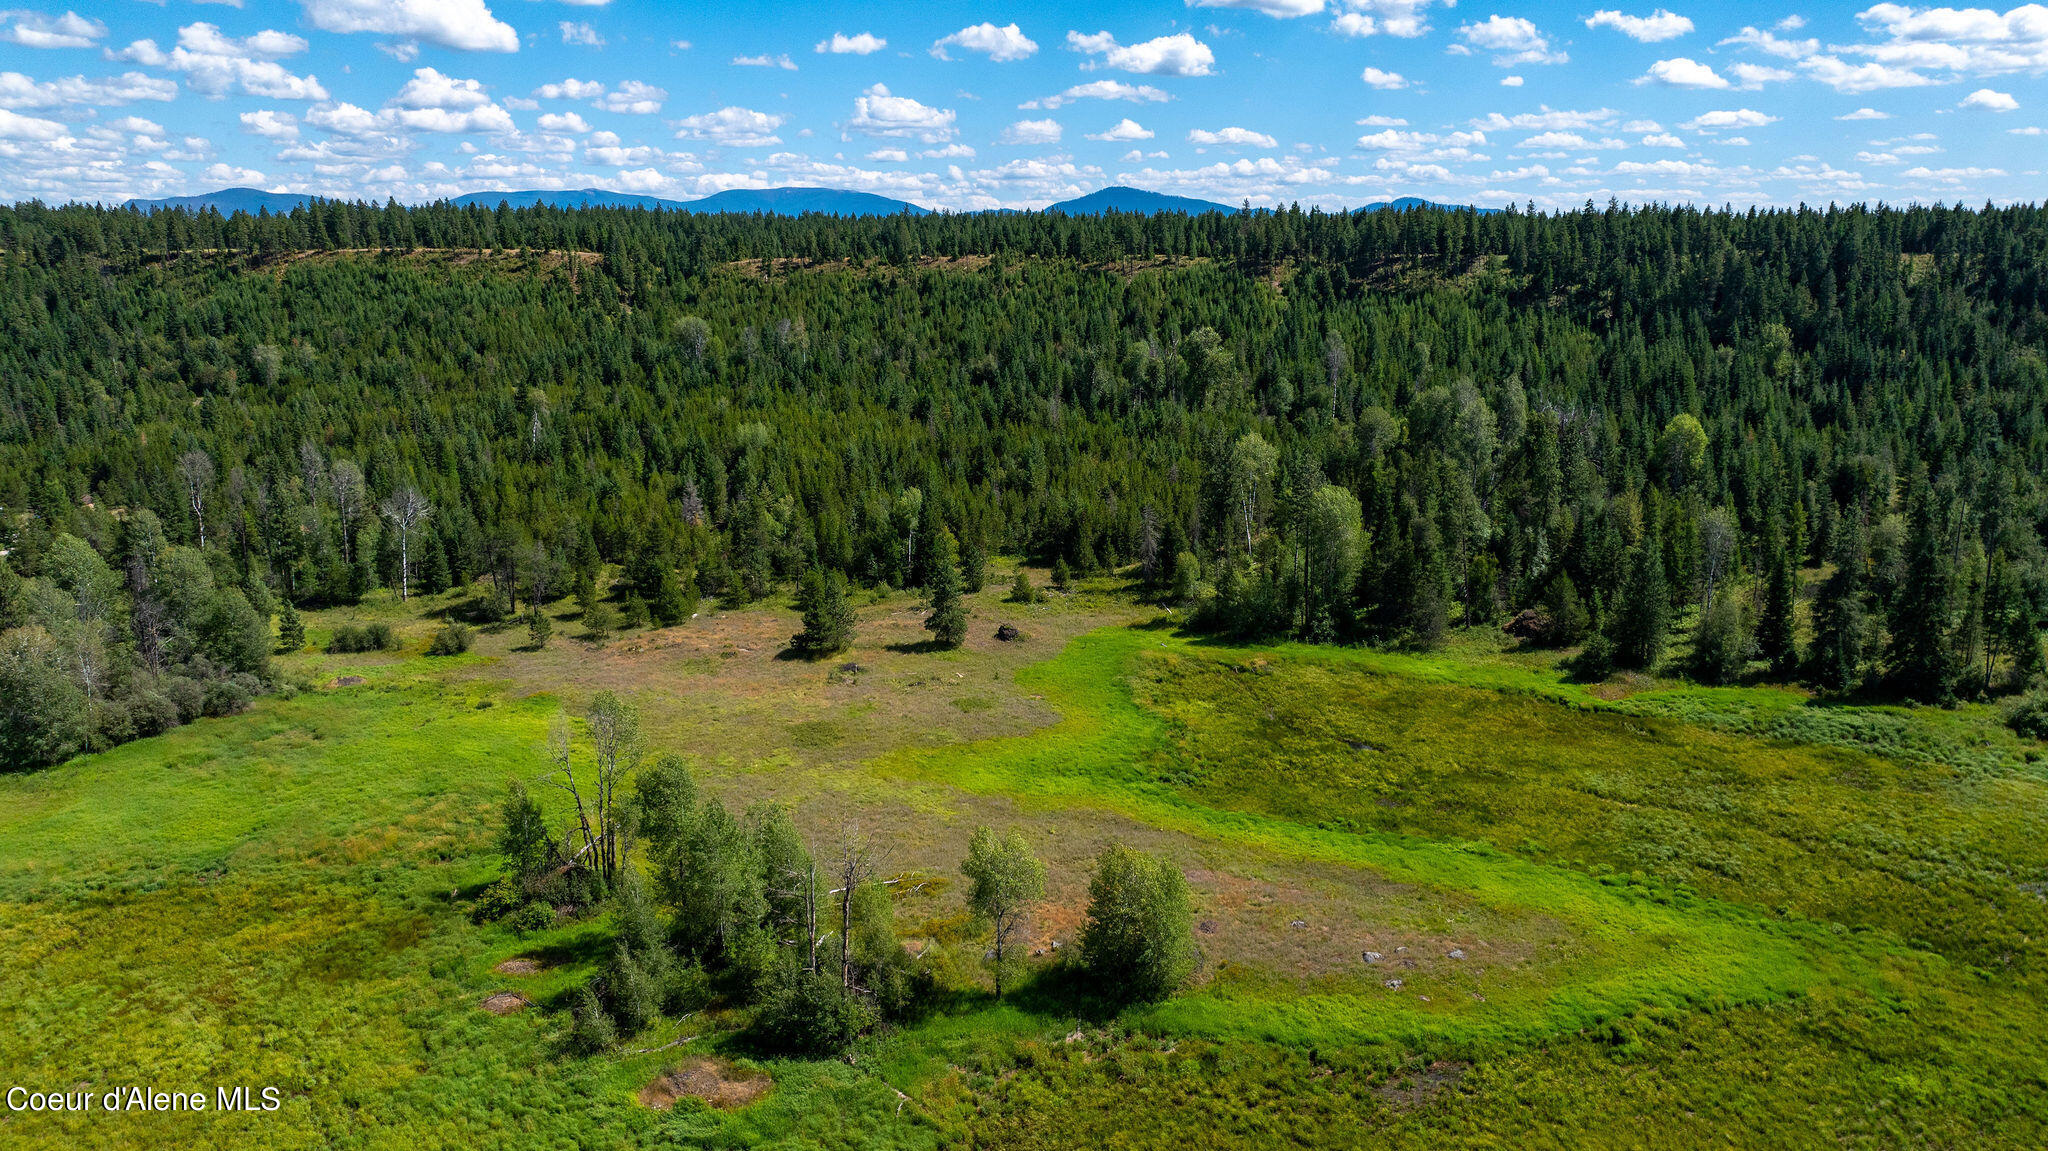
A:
[1989,101]
[1122,131]
[1102,90]
[465,25]
[1654,28]
[998,44]
[733,127]
[878,112]
[36,30]
[1386,81]
[1032,132]
[1232,138]
[1177,55]
[860,44]
[1512,39]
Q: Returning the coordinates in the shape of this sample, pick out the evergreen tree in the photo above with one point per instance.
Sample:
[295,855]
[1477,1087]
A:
[1021,590]
[539,628]
[1922,659]
[1643,618]
[948,621]
[828,617]
[1835,661]
[1774,636]
[973,563]
[1062,576]
[291,630]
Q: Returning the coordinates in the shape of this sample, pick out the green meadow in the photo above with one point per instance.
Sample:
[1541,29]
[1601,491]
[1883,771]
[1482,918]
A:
[1624,915]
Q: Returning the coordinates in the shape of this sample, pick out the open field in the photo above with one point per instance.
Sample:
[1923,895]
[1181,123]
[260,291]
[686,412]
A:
[1675,917]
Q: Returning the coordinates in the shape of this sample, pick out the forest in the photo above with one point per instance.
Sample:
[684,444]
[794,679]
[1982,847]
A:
[1804,445]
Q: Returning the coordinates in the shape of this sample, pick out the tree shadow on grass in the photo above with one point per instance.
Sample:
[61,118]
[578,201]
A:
[919,647]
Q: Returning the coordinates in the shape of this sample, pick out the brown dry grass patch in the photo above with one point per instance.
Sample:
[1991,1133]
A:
[505,1003]
[718,1083]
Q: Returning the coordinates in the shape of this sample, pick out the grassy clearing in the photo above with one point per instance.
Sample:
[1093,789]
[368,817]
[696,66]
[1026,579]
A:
[1665,924]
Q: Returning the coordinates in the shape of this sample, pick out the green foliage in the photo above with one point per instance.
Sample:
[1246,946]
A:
[1062,576]
[534,916]
[351,638]
[1021,590]
[600,620]
[828,616]
[1139,942]
[1643,616]
[1004,879]
[805,1014]
[451,638]
[948,619]
[591,1030]
[1723,642]
[523,836]
[1566,620]
[291,630]
[539,627]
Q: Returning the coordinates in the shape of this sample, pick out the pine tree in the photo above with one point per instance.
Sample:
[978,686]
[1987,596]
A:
[291,630]
[1021,590]
[1774,636]
[1062,576]
[539,628]
[1643,618]
[828,618]
[1922,659]
[948,621]
[1835,662]
[973,563]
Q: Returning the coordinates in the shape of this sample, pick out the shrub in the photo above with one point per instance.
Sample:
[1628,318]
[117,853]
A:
[631,992]
[591,1030]
[227,696]
[350,638]
[1139,942]
[533,917]
[499,900]
[809,1015]
[189,696]
[1021,591]
[2028,715]
[454,638]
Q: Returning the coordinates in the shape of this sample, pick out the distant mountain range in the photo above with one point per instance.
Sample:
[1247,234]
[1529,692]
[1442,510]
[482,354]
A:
[783,201]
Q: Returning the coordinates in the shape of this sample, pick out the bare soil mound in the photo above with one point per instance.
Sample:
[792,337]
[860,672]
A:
[715,1081]
[347,681]
[505,1003]
[520,967]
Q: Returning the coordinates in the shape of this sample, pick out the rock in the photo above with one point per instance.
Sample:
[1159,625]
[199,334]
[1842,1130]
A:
[1457,953]
[1297,924]
[1373,957]
[1393,985]
[1528,624]
[1400,951]
[1359,745]
[1206,927]
[1074,1037]
[1006,633]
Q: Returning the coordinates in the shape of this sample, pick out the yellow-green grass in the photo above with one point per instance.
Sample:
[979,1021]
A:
[277,898]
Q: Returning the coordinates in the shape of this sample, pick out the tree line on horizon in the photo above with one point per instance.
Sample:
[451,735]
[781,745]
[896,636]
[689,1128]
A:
[1809,438]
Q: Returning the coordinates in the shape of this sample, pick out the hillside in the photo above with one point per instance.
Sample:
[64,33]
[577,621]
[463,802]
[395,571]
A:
[605,677]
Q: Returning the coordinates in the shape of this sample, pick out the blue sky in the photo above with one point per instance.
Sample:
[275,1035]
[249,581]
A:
[966,106]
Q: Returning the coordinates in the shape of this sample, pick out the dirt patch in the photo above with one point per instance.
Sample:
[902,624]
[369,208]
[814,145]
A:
[715,1081]
[1410,1089]
[505,1003]
[520,967]
[347,681]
